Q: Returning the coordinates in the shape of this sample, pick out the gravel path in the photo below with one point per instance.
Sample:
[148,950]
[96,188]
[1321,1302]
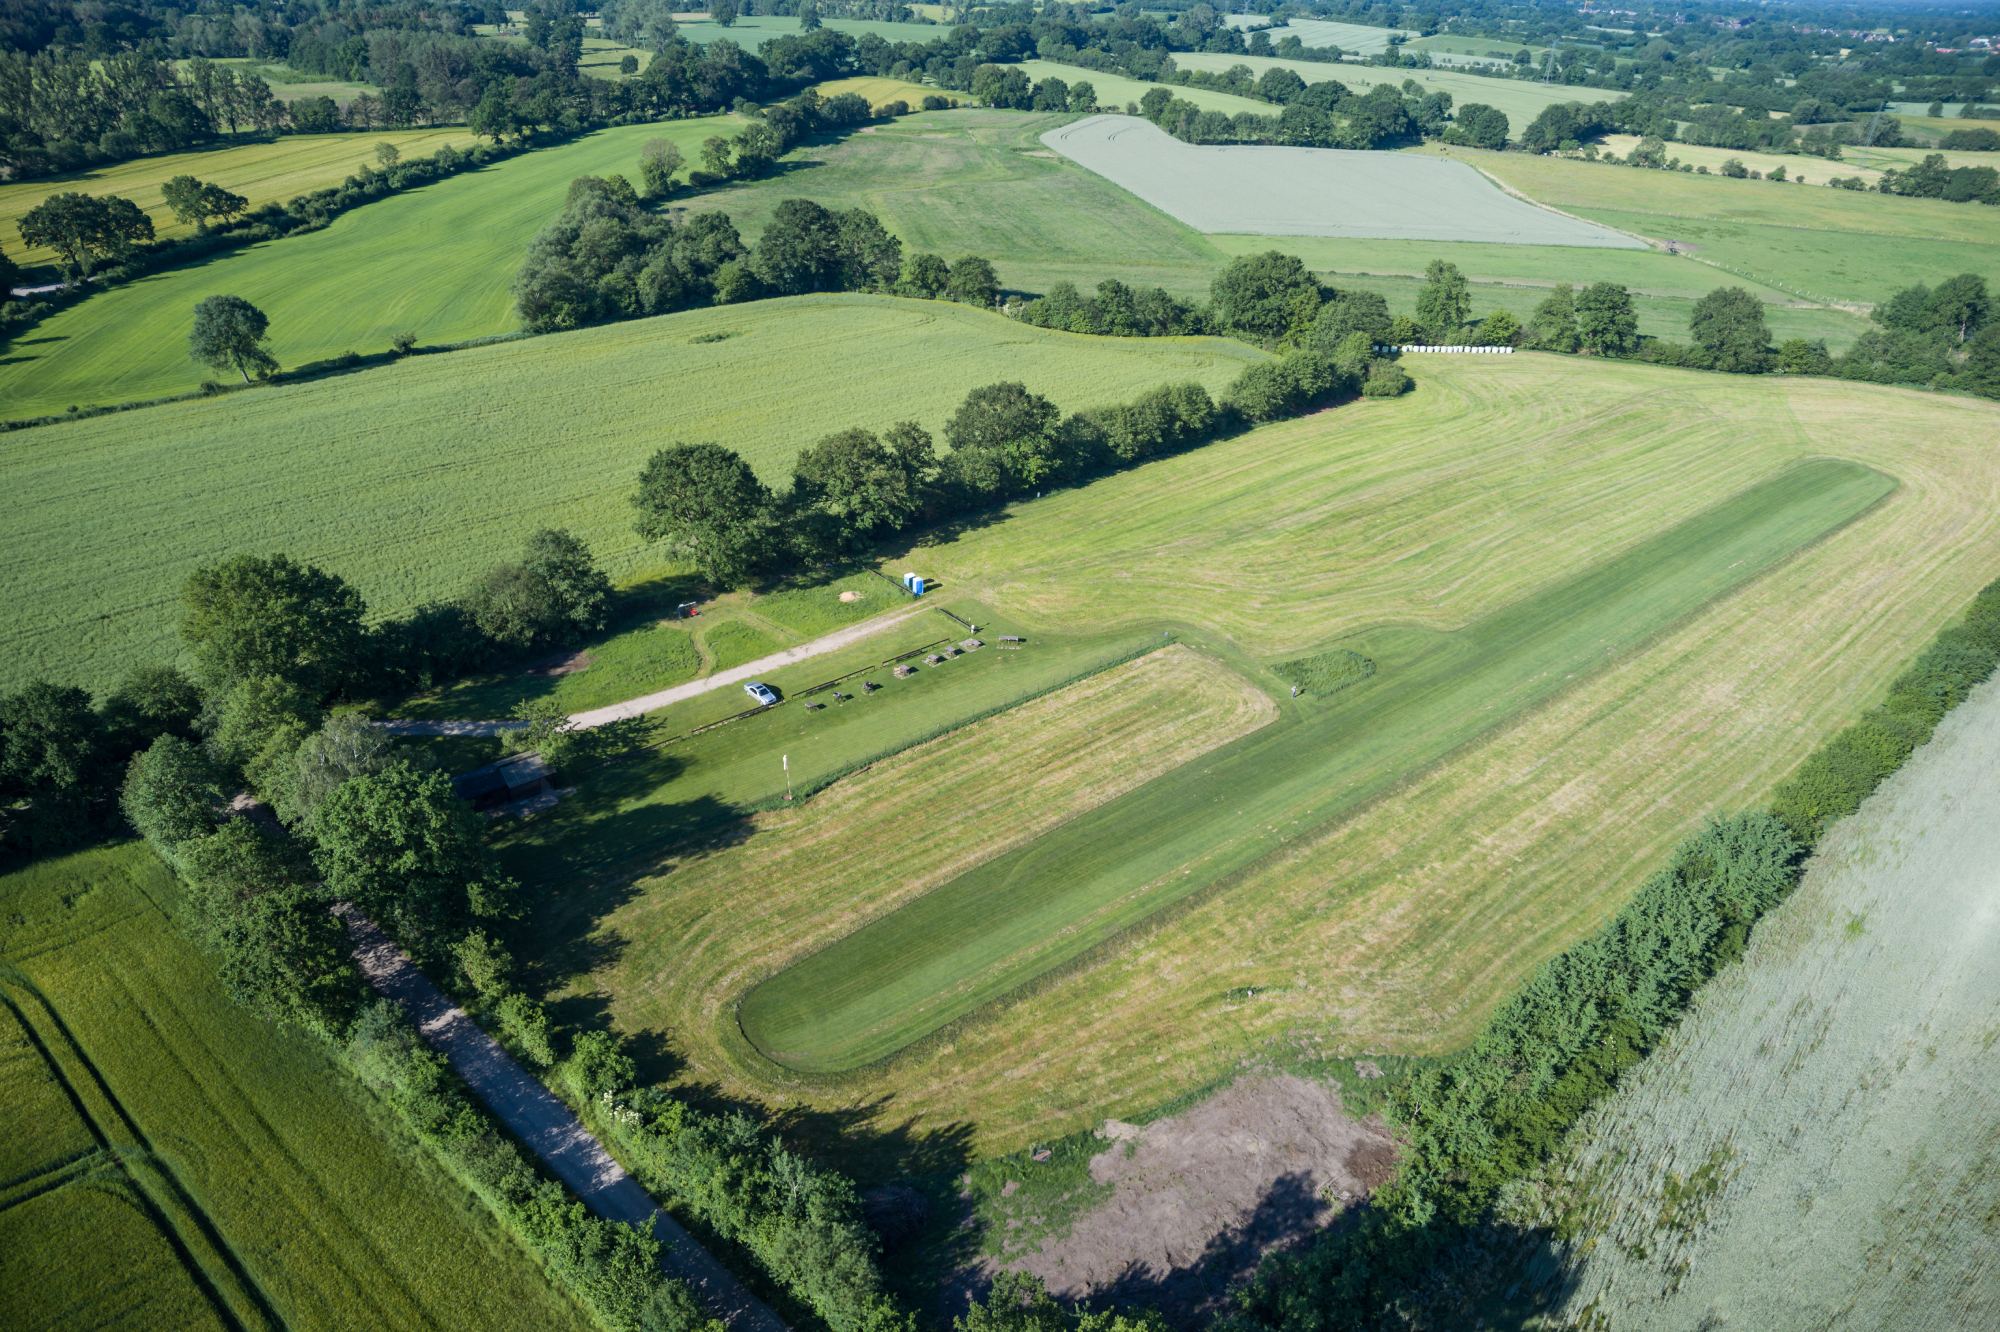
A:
[645,703]
[533,1114]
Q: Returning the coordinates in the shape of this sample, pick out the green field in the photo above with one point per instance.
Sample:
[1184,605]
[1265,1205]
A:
[1824,245]
[752,32]
[1392,929]
[880,92]
[174,1161]
[1360,38]
[351,287]
[1117,90]
[289,85]
[419,475]
[1040,219]
[272,172]
[1011,919]
[1520,100]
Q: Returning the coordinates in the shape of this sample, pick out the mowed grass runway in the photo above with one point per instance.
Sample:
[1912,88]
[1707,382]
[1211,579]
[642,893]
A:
[1009,920]
[174,1161]
[263,173]
[1396,927]
[437,262]
[411,479]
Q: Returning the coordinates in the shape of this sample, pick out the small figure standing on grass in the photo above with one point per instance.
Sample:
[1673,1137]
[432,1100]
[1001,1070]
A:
[229,334]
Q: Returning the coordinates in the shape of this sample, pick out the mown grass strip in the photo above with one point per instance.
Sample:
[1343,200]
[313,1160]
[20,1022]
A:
[1000,925]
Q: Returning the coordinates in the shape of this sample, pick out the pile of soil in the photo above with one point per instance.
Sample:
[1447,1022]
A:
[1200,1196]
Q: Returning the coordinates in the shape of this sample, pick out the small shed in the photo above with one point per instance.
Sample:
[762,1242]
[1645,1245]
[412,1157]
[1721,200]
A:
[504,782]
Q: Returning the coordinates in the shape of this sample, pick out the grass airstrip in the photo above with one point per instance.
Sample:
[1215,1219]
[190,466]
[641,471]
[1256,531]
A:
[172,1161]
[409,481]
[1604,601]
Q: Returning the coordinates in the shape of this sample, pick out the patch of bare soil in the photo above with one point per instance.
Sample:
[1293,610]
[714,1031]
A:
[1200,1196]
[850,595]
[567,664]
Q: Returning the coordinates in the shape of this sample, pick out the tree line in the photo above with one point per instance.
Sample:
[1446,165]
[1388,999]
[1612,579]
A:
[851,490]
[1485,1117]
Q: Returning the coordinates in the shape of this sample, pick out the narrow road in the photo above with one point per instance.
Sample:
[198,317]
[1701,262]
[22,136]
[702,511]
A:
[534,1115]
[653,702]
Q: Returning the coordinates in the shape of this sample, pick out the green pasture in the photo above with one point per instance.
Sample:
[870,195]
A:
[1823,245]
[437,261]
[751,32]
[980,182]
[1516,278]
[231,1174]
[1520,100]
[263,172]
[880,92]
[289,85]
[1001,924]
[413,478]
[1360,38]
[1932,129]
[1118,90]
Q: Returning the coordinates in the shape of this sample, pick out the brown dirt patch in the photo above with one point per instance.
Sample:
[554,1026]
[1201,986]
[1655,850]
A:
[568,663]
[1200,1196]
[850,595]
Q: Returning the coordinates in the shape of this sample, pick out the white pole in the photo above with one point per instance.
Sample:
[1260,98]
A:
[788,778]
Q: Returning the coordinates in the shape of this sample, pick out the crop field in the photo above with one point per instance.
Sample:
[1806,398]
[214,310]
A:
[1360,38]
[412,485]
[1932,129]
[1816,1144]
[1798,168]
[186,1165]
[269,172]
[1448,48]
[350,287]
[1039,218]
[881,92]
[1315,191]
[751,32]
[1553,544]
[1521,101]
[1120,90]
[1825,245]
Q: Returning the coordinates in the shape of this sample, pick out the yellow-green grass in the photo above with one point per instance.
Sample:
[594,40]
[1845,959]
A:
[232,1173]
[1491,49]
[1798,167]
[1516,278]
[881,92]
[1854,155]
[1519,100]
[1039,217]
[752,32]
[1009,920]
[289,85]
[1824,245]
[1118,90]
[602,57]
[1398,928]
[1360,38]
[1932,129]
[263,172]
[438,262]
[413,478]
[732,642]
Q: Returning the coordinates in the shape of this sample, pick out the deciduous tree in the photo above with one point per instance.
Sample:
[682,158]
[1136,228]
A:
[705,504]
[229,334]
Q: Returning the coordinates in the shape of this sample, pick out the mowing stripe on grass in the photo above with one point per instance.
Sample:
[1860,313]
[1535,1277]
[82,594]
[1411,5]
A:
[1021,915]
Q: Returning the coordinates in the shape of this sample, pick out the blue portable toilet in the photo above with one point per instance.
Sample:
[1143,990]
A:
[914,583]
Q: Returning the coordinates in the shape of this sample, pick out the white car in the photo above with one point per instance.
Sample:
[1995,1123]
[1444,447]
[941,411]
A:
[762,692]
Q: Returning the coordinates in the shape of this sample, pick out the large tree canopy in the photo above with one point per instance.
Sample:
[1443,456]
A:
[705,504]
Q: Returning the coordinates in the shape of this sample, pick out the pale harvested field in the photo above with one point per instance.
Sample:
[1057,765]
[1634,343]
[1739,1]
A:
[1273,191]
[1398,929]
[1843,1084]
